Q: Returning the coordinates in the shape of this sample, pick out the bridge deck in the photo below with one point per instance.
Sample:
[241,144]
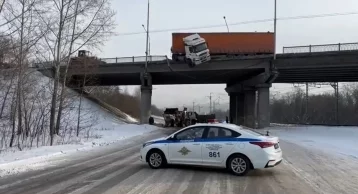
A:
[334,66]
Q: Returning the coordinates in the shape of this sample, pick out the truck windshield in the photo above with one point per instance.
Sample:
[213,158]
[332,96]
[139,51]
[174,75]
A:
[200,47]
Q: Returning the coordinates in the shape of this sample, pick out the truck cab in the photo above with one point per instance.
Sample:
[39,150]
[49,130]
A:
[196,50]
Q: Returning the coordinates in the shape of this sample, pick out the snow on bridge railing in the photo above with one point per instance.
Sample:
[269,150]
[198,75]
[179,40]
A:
[117,60]
[321,48]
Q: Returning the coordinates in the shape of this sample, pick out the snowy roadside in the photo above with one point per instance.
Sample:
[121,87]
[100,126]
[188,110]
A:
[14,161]
[324,157]
[332,140]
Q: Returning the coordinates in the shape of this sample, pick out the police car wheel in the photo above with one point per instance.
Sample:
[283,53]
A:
[156,159]
[239,165]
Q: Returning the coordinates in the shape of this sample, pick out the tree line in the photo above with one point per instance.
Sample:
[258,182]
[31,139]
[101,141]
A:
[321,108]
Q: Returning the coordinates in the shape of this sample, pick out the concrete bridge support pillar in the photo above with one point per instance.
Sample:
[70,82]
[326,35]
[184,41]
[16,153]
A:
[233,109]
[237,104]
[145,98]
[250,105]
[263,107]
[240,108]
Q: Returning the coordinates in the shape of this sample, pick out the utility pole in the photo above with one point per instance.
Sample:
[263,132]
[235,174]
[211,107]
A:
[193,106]
[199,108]
[274,24]
[336,93]
[337,104]
[148,39]
[147,43]
[306,113]
[214,103]
[226,25]
[210,101]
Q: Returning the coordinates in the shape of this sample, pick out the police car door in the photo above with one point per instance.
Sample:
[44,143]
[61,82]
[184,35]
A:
[186,148]
[217,145]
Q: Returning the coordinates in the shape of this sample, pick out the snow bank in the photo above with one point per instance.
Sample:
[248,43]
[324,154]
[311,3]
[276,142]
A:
[13,162]
[96,138]
[333,140]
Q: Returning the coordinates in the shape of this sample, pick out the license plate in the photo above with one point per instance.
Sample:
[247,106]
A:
[276,146]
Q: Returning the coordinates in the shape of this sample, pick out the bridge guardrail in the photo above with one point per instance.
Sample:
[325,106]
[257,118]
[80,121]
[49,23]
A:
[321,48]
[117,60]
[152,58]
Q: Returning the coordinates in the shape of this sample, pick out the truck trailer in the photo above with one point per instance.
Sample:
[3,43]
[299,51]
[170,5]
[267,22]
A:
[197,48]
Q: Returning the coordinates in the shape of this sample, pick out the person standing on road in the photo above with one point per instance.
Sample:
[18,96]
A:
[227,119]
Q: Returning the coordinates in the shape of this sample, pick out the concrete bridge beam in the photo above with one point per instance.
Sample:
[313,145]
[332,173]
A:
[145,98]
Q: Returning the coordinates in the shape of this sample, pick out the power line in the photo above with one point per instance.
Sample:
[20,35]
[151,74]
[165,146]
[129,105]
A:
[245,22]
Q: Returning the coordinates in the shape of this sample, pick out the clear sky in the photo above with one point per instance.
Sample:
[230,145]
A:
[186,14]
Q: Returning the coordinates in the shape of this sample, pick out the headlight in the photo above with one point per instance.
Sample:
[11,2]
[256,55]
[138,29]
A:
[147,144]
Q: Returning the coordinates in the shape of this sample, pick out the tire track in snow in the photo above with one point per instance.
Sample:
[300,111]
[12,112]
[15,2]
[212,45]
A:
[323,172]
[78,182]
[36,185]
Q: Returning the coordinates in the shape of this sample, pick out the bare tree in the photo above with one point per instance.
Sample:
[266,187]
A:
[25,32]
[74,24]
[50,32]
[2,5]
[62,94]
[88,66]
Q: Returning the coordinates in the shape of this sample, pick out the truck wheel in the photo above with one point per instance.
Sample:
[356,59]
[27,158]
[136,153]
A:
[151,121]
[187,123]
[172,123]
[190,63]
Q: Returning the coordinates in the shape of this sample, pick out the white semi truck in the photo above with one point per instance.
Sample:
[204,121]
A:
[197,48]
[191,49]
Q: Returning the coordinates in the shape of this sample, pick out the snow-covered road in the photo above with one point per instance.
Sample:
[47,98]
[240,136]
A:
[324,157]
[116,169]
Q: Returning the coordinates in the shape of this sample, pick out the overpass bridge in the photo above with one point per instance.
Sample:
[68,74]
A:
[244,76]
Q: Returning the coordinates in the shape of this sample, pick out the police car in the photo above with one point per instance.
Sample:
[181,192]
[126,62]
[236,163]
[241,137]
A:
[220,145]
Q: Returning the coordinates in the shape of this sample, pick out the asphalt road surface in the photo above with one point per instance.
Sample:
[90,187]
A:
[117,169]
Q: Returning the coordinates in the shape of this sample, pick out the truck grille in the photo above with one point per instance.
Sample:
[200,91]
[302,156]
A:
[203,54]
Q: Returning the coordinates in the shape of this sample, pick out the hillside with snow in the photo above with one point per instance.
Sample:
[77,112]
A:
[96,125]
